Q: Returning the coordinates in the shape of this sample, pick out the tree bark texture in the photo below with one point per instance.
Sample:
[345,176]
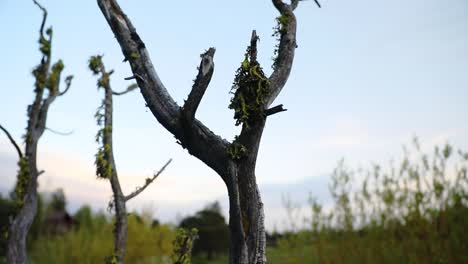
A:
[47,78]
[235,161]
[120,228]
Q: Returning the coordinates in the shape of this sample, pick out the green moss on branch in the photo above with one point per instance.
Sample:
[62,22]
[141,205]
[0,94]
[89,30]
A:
[250,88]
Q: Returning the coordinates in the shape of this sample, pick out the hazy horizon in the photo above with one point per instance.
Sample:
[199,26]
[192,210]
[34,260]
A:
[368,77]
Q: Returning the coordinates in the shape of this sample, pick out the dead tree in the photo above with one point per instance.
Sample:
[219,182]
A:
[105,163]
[48,78]
[254,94]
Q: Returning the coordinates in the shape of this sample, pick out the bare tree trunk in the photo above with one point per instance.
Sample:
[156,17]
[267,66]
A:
[248,238]
[254,93]
[19,227]
[120,229]
[105,163]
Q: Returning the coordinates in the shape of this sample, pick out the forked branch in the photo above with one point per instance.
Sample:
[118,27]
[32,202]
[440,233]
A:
[205,143]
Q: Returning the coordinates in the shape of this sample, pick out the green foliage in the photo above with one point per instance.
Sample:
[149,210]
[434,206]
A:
[340,189]
[90,243]
[104,81]
[279,30]
[102,161]
[58,202]
[103,164]
[111,260]
[6,208]
[134,56]
[212,230]
[23,178]
[46,78]
[84,216]
[282,24]
[95,64]
[249,88]
[183,244]
[45,44]
[52,82]
[236,150]
[40,75]
[416,212]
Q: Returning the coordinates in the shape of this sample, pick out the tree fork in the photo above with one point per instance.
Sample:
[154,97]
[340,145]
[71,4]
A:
[47,77]
[234,161]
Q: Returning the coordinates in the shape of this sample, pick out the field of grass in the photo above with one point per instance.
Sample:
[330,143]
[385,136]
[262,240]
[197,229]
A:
[413,212]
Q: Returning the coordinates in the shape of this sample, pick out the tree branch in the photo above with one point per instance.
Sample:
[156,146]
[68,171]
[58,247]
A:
[12,140]
[207,146]
[295,3]
[59,132]
[148,182]
[205,72]
[44,17]
[129,89]
[161,103]
[318,3]
[274,110]
[43,112]
[68,81]
[253,46]
[286,48]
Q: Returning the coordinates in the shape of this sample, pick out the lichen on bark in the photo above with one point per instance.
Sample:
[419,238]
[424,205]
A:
[250,88]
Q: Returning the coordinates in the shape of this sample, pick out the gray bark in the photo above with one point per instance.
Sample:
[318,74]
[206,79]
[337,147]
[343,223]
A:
[246,217]
[26,187]
[120,229]
[119,199]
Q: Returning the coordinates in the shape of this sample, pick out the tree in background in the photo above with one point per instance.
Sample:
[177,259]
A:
[58,201]
[48,78]
[212,230]
[254,94]
[105,164]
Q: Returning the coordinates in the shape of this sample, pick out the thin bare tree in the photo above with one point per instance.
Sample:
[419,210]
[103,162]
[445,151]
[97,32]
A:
[254,94]
[105,163]
[48,79]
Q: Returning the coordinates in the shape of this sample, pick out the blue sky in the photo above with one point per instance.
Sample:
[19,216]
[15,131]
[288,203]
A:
[368,76]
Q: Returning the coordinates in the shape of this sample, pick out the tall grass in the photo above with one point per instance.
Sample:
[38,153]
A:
[413,212]
[91,243]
